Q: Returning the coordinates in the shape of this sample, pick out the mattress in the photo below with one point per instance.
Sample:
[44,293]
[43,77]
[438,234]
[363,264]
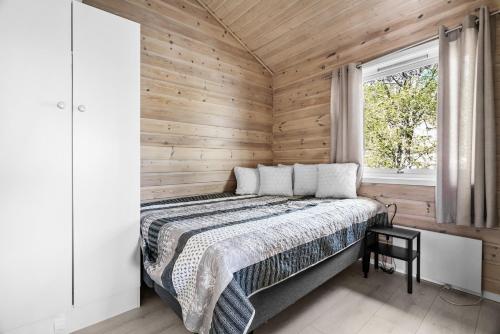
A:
[213,252]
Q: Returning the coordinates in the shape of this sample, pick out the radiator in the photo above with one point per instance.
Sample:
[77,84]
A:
[448,259]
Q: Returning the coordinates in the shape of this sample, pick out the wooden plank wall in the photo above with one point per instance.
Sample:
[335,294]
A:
[207,106]
[206,102]
[302,134]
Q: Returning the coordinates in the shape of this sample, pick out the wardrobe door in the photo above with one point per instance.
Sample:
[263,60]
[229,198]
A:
[106,154]
[35,160]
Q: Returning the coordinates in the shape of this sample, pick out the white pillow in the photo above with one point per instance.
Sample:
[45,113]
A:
[337,180]
[247,180]
[275,180]
[305,179]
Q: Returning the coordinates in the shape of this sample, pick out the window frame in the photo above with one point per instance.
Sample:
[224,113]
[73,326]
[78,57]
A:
[396,62]
[421,176]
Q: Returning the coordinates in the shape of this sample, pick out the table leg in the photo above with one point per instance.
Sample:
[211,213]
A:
[409,265]
[366,256]
[366,263]
[418,258]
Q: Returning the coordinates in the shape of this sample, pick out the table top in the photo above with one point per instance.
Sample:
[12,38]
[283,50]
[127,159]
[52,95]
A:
[396,232]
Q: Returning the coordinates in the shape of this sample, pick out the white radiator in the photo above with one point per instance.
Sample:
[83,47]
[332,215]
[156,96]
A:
[448,259]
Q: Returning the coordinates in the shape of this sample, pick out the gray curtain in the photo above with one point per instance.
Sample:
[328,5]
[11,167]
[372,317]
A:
[346,111]
[466,178]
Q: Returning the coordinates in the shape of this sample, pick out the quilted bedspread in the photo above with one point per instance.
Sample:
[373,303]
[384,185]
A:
[212,252]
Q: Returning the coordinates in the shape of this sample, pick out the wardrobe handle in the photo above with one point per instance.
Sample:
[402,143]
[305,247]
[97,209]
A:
[61,105]
[81,108]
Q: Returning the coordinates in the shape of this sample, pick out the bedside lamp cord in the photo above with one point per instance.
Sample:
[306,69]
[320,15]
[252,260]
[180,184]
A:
[448,287]
[395,211]
[392,268]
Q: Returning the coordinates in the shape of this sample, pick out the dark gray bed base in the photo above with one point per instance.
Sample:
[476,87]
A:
[271,301]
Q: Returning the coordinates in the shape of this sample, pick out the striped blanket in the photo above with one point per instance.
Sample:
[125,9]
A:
[212,252]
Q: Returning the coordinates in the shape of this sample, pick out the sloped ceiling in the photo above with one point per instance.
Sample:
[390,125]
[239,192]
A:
[285,32]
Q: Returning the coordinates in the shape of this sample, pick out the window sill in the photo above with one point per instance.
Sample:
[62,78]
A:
[398,179]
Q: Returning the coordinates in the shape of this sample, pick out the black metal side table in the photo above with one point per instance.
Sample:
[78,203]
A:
[406,254]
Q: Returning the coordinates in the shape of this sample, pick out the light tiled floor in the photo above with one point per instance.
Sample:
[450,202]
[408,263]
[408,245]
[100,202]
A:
[348,304]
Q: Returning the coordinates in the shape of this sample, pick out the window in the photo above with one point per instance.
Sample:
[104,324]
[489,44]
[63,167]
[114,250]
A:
[400,116]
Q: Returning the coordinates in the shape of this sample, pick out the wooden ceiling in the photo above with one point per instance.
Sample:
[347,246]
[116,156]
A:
[287,32]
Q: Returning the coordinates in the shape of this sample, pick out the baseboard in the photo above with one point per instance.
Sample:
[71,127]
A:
[99,310]
[491,296]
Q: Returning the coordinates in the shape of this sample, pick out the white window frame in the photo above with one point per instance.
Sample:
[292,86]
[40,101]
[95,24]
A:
[403,60]
[422,176]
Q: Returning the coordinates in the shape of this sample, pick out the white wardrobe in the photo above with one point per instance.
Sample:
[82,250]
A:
[69,165]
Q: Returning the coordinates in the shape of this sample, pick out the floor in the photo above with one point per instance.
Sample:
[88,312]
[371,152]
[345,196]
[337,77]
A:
[348,303]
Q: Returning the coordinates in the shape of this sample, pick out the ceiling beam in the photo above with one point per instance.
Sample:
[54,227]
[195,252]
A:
[211,12]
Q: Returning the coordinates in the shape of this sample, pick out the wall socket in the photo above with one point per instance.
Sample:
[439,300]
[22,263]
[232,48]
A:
[60,324]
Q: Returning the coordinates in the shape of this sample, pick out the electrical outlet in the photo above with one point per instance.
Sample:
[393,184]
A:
[60,324]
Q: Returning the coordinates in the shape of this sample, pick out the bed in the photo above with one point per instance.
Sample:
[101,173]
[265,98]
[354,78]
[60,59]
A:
[226,263]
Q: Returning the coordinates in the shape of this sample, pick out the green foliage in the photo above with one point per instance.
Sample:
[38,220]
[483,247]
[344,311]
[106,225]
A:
[400,120]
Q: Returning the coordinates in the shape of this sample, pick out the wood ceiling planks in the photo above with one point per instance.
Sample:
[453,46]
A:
[287,32]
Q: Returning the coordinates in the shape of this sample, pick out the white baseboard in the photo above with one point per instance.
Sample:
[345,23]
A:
[491,296]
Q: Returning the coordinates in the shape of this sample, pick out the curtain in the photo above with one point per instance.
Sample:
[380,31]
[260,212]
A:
[346,111]
[466,176]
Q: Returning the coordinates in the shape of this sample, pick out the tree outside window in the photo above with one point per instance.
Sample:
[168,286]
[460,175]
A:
[400,115]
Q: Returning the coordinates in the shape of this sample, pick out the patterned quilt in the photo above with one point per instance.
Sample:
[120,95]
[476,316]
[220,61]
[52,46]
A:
[212,252]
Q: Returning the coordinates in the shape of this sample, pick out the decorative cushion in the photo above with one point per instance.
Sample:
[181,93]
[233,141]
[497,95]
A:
[275,180]
[305,179]
[337,180]
[247,180]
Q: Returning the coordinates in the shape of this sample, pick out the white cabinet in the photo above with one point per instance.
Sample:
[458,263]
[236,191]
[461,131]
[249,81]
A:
[69,176]
[35,160]
[106,153]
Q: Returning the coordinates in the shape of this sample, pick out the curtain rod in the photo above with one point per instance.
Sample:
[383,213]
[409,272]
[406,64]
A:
[460,25]
[432,38]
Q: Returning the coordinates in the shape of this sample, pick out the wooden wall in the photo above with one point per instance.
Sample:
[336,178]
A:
[206,103]
[302,134]
[208,106]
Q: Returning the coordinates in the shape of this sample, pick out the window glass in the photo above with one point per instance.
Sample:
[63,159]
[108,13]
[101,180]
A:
[400,110]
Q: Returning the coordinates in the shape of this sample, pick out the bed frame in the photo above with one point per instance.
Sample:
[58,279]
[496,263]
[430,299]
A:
[271,301]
